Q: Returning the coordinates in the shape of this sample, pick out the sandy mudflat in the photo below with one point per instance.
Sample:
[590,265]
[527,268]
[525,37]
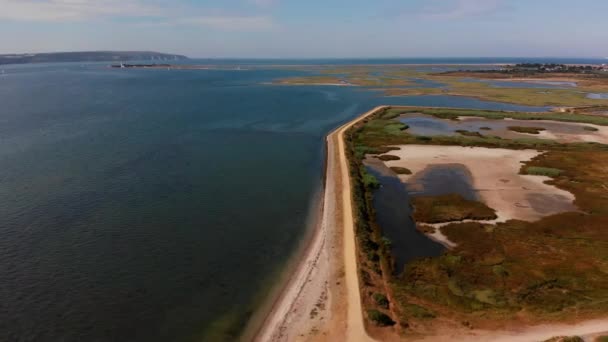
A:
[496,178]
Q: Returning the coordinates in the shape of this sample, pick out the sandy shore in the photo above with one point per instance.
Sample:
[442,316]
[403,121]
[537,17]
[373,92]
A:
[321,301]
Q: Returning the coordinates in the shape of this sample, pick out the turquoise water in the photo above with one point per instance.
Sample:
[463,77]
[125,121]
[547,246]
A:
[155,205]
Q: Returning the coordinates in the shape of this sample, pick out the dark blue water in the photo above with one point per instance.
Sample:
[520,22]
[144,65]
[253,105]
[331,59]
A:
[155,205]
[437,180]
[394,215]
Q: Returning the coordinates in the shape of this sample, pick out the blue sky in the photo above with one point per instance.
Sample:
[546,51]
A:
[310,28]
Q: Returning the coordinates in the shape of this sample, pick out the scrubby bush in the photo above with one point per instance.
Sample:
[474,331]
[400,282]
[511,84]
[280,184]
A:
[381,300]
[543,171]
[379,318]
[370,181]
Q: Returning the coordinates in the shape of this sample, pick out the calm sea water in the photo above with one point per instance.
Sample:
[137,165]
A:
[155,205]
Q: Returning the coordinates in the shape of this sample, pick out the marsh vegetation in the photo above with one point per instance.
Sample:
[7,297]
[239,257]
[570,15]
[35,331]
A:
[552,269]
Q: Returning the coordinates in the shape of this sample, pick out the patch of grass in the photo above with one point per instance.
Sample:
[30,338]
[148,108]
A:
[601,339]
[485,128]
[379,318]
[417,311]
[381,300]
[542,171]
[565,339]
[370,181]
[468,133]
[447,208]
[395,128]
[388,157]
[401,170]
[525,129]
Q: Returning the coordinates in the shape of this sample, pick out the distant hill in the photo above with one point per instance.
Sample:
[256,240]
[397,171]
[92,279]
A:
[88,56]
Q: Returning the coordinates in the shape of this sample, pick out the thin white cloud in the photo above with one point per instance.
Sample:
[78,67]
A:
[168,15]
[230,23]
[458,9]
[73,10]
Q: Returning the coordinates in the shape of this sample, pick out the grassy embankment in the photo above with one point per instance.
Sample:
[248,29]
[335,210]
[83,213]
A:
[552,269]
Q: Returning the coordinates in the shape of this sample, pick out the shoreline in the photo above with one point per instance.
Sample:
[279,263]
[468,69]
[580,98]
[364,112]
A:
[286,274]
[303,284]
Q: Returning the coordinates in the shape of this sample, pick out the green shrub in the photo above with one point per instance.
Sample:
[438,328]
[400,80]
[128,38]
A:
[379,318]
[370,181]
[543,171]
[381,300]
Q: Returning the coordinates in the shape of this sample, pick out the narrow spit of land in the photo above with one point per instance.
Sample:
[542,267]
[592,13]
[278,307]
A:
[321,300]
